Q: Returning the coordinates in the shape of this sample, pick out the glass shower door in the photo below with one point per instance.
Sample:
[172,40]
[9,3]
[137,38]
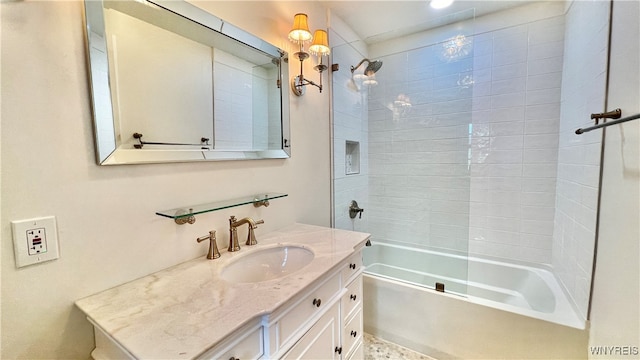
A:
[401,138]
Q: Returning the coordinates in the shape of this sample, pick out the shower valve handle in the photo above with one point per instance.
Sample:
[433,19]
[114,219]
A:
[354,210]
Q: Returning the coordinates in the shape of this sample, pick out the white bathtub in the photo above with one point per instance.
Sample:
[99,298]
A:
[503,310]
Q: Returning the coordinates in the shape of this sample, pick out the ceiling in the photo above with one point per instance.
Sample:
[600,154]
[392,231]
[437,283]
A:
[376,21]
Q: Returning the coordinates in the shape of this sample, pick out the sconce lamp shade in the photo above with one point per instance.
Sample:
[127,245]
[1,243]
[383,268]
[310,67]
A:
[320,44]
[300,32]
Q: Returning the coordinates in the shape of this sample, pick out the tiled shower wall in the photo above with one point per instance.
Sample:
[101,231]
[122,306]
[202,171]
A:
[419,119]
[583,93]
[514,146]
[349,124]
[485,158]
[472,164]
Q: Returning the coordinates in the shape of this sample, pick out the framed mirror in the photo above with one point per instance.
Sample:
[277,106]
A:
[171,82]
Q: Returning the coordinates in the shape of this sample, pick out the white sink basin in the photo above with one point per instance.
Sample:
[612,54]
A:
[267,264]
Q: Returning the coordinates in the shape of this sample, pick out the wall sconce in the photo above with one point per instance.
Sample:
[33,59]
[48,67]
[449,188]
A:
[300,34]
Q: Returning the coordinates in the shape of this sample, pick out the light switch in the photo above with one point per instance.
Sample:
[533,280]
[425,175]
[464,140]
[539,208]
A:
[35,240]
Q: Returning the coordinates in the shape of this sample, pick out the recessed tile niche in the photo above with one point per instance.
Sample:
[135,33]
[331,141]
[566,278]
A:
[352,157]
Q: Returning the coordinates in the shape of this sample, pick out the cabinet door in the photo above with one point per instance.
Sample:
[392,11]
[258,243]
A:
[321,341]
[358,353]
[352,333]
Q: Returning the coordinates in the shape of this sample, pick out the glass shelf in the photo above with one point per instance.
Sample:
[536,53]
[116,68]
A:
[188,211]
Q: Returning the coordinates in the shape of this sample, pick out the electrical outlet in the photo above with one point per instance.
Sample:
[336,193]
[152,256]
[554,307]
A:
[35,240]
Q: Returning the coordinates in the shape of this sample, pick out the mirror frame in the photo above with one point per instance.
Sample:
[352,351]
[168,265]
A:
[106,145]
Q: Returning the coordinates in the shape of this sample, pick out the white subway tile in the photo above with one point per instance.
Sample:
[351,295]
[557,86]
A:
[503,224]
[504,183]
[537,227]
[508,86]
[546,50]
[545,66]
[540,170]
[507,100]
[509,71]
[544,126]
[533,255]
[540,156]
[513,156]
[536,241]
[538,199]
[546,111]
[507,115]
[482,62]
[507,170]
[545,96]
[539,213]
[545,81]
[513,127]
[507,143]
[545,141]
[511,211]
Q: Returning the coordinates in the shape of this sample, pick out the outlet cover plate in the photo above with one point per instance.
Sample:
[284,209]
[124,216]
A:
[35,240]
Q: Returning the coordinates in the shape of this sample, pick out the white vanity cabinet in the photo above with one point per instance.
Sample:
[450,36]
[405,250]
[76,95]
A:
[324,322]
[351,309]
[246,343]
[190,311]
[321,341]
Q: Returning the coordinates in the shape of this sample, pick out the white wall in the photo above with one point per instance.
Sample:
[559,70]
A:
[615,312]
[108,230]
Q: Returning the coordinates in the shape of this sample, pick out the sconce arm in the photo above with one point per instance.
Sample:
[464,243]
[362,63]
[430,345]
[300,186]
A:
[299,82]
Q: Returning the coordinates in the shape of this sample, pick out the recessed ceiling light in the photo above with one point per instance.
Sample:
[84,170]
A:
[440,4]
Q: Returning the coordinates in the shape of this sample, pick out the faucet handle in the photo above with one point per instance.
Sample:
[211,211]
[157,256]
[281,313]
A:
[251,236]
[213,246]
[256,223]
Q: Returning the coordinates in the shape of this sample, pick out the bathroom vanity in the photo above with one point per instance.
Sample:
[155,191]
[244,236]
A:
[238,306]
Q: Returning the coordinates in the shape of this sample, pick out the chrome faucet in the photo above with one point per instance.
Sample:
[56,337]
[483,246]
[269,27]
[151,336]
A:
[233,232]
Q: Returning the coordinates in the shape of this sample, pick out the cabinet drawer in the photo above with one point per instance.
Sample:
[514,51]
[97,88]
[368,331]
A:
[248,347]
[352,267]
[320,342]
[309,307]
[352,332]
[353,298]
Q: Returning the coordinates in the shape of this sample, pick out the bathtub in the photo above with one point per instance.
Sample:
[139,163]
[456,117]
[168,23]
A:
[502,311]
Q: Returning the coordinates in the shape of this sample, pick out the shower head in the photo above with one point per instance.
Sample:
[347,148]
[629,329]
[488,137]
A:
[372,66]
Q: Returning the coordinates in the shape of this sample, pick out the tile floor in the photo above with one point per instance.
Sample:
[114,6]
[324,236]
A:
[378,349]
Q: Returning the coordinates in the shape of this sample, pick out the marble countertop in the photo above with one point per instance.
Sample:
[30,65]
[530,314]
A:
[183,311]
